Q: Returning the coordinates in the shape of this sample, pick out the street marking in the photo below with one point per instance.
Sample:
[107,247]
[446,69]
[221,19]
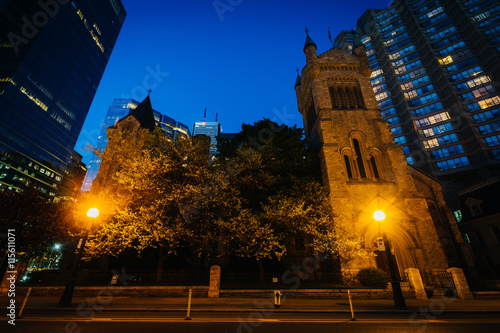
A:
[283,320]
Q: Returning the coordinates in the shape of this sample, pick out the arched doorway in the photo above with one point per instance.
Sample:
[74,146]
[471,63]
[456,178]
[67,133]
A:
[381,259]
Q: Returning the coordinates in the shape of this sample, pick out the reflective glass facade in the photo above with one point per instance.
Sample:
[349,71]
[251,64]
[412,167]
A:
[52,57]
[118,110]
[211,129]
[434,65]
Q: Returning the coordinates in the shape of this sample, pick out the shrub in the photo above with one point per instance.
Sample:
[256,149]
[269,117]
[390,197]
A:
[372,277]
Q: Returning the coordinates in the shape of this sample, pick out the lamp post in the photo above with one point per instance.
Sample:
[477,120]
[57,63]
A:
[399,300]
[67,295]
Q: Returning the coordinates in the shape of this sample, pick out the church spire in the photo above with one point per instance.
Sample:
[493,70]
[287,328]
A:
[309,41]
[299,80]
[310,48]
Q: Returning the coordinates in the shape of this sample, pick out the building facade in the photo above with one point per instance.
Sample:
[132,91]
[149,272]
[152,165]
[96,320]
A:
[119,109]
[479,221]
[52,55]
[365,170]
[435,74]
[210,129]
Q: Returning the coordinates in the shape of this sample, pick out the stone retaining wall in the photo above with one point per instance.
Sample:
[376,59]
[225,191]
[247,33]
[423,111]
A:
[202,292]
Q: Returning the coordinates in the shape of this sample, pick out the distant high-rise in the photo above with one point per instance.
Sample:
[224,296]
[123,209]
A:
[436,75]
[52,57]
[118,110]
[210,129]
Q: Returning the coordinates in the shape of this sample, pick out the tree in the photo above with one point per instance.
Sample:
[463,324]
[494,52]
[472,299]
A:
[253,197]
[283,197]
[276,155]
[37,221]
[166,191]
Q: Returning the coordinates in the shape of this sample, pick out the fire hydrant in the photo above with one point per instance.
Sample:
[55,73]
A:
[277,298]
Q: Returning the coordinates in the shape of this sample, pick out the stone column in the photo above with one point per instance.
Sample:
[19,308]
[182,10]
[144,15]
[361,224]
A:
[460,282]
[213,290]
[416,282]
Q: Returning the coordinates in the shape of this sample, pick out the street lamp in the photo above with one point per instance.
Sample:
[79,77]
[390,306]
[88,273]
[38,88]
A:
[399,300]
[67,295]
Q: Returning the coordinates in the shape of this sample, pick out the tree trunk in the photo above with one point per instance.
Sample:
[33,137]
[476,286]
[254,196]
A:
[159,267]
[261,272]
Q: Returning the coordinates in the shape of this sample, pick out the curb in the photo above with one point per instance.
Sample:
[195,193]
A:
[281,310]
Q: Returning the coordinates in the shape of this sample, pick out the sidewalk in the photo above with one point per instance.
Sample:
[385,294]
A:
[105,303]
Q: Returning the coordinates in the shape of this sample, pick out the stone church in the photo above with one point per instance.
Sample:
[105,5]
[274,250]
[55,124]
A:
[134,128]
[366,171]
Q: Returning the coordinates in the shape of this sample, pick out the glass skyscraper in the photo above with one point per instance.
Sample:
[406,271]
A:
[436,75]
[211,129]
[119,109]
[52,57]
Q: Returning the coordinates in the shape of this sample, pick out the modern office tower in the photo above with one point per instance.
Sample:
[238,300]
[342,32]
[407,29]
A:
[436,74]
[211,129]
[118,110]
[73,180]
[52,57]
[345,39]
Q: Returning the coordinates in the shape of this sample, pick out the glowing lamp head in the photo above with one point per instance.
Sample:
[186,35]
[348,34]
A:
[379,215]
[93,212]
[57,247]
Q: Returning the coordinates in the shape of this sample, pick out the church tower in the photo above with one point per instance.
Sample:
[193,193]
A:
[366,171]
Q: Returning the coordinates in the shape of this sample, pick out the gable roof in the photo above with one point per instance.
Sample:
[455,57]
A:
[143,113]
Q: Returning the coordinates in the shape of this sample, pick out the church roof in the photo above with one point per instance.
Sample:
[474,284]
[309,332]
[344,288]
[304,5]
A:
[144,114]
[309,41]
[298,81]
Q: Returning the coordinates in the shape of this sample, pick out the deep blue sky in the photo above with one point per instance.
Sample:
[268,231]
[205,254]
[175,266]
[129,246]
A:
[240,63]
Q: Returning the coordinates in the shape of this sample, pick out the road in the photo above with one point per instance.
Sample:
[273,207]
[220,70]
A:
[148,322]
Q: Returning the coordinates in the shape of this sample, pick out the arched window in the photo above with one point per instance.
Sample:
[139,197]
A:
[359,158]
[374,166]
[348,166]
[346,96]
[358,97]
[342,98]
[350,97]
[334,96]
[311,115]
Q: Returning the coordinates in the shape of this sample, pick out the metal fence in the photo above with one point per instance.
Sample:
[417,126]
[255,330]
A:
[288,279]
[134,277]
[445,280]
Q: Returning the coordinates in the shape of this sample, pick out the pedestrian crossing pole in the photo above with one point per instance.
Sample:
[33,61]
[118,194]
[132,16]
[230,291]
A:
[350,304]
[24,303]
[188,317]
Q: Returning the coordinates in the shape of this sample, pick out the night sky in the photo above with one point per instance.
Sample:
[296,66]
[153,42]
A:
[238,60]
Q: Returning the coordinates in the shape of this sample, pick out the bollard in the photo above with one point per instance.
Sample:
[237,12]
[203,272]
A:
[24,303]
[350,304]
[277,299]
[189,305]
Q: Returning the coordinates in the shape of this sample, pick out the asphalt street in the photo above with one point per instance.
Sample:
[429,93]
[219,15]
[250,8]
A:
[62,321]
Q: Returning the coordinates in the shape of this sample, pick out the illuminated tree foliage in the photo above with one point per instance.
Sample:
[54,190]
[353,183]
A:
[157,186]
[248,202]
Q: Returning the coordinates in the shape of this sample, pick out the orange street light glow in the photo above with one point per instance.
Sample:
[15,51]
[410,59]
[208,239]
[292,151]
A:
[93,212]
[379,215]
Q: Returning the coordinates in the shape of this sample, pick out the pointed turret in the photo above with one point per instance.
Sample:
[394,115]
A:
[309,48]
[298,80]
